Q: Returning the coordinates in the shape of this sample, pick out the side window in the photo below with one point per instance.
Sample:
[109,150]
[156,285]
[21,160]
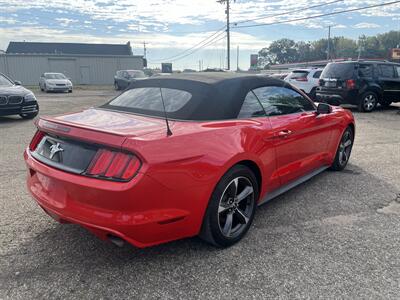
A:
[398,71]
[365,71]
[386,71]
[282,101]
[251,107]
[317,74]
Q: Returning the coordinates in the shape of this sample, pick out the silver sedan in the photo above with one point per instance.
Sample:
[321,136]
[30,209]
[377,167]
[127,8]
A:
[55,82]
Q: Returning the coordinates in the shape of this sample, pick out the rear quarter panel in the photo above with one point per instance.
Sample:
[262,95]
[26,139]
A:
[197,155]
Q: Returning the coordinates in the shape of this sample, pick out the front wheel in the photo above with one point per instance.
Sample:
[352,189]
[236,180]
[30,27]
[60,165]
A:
[344,150]
[116,86]
[231,208]
[368,102]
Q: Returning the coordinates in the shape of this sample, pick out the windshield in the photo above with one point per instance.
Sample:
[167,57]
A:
[136,74]
[148,101]
[55,76]
[338,71]
[4,81]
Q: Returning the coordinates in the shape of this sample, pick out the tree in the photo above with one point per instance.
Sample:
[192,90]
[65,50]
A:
[288,51]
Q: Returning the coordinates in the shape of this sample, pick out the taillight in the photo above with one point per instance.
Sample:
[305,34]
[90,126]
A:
[36,140]
[350,84]
[115,165]
[301,79]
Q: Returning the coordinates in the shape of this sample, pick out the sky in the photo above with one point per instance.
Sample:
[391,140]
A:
[170,27]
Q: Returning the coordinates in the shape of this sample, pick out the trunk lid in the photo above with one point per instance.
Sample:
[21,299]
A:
[111,123]
[71,141]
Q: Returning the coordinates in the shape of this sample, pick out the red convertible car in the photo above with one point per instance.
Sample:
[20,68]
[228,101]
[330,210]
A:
[184,155]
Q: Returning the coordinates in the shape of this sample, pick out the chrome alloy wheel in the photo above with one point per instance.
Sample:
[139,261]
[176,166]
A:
[369,102]
[345,148]
[235,207]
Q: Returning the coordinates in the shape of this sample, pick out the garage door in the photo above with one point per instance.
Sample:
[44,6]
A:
[65,66]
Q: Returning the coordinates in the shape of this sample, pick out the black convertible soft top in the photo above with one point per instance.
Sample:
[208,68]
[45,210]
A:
[215,96]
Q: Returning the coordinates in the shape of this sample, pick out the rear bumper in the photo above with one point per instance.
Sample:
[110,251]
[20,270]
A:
[337,96]
[24,108]
[142,212]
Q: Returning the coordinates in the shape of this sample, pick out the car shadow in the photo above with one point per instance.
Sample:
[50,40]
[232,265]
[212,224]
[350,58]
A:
[72,252]
[12,119]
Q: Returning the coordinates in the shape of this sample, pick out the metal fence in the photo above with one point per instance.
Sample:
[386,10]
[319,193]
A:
[81,69]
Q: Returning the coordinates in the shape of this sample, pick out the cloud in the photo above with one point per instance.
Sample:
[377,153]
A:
[366,25]
[65,21]
[7,20]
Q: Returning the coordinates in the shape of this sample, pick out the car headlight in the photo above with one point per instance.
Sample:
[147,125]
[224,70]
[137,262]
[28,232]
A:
[69,83]
[29,97]
[49,83]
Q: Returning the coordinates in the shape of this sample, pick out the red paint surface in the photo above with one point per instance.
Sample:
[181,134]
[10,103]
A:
[167,199]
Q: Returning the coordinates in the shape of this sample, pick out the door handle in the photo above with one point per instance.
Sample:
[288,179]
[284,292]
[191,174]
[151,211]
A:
[284,133]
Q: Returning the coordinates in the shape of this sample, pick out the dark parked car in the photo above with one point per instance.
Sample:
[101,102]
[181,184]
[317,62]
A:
[16,100]
[123,78]
[362,83]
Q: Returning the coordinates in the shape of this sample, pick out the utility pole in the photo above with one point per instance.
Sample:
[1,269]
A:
[328,52]
[237,58]
[144,49]
[228,33]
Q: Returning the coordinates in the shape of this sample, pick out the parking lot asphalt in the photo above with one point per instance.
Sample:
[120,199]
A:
[336,236]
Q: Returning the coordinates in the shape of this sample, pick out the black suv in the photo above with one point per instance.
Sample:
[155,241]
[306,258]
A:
[362,83]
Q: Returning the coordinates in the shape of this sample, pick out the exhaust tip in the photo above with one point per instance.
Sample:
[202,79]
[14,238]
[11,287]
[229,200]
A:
[116,240]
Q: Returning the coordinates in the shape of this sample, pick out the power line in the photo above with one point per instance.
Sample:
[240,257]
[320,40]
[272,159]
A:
[289,12]
[215,39]
[219,31]
[319,16]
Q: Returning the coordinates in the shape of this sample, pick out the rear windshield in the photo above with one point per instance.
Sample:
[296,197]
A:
[298,74]
[149,101]
[136,74]
[338,71]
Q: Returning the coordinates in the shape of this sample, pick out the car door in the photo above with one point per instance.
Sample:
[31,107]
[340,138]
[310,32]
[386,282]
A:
[387,78]
[301,136]
[263,139]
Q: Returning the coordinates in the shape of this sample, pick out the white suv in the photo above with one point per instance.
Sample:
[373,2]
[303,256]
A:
[305,80]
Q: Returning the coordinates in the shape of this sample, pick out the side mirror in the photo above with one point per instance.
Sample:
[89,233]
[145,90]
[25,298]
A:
[324,108]
[17,82]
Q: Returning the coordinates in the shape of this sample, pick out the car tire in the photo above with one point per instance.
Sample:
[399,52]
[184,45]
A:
[29,116]
[45,88]
[231,208]
[368,102]
[69,91]
[344,150]
[116,86]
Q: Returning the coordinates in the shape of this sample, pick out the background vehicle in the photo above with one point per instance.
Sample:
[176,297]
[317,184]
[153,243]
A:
[55,82]
[305,80]
[230,143]
[279,75]
[362,83]
[123,78]
[16,100]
